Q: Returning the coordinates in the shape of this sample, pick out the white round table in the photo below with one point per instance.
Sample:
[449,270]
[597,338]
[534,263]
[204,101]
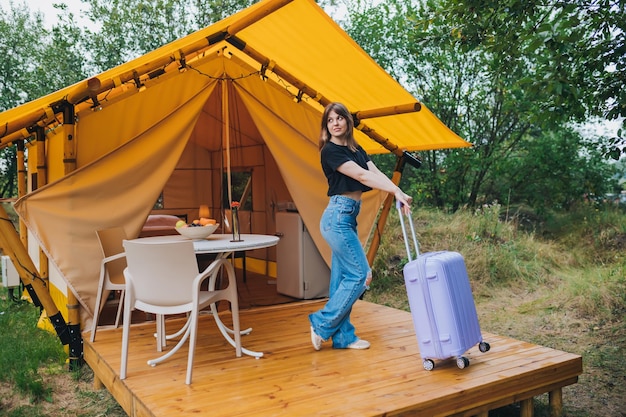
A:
[221,244]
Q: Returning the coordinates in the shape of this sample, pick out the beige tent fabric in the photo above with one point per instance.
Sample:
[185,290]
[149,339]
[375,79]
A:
[118,189]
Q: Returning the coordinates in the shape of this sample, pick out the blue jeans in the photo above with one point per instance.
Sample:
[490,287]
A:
[348,272]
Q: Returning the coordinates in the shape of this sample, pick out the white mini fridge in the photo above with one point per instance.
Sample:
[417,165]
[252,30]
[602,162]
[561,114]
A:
[300,271]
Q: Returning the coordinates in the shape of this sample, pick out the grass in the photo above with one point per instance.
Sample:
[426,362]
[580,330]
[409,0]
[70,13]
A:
[558,281]
[20,366]
[34,376]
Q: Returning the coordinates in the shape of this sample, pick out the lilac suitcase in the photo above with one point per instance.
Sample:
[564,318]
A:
[442,304]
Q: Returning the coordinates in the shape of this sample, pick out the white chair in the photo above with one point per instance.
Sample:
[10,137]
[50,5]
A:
[163,278]
[111,272]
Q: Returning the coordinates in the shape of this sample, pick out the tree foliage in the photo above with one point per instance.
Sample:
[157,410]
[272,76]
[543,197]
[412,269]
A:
[576,50]
[130,28]
[35,61]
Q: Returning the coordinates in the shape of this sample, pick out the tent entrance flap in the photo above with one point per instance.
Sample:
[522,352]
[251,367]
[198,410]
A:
[118,189]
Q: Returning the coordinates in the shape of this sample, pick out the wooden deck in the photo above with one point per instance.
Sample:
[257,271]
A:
[292,379]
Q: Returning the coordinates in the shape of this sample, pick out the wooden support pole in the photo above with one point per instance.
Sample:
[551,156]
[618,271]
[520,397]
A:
[13,247]
[42,166]
[527,408]
[69,144]
[555,399]
[382,221]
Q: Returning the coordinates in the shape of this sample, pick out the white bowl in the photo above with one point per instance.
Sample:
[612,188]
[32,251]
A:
[197,232]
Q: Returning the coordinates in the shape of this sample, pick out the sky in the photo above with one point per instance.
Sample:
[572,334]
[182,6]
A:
[46,7]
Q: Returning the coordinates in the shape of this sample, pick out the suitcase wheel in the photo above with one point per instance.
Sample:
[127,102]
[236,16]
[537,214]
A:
[429,364]
[462,362]
[484,347]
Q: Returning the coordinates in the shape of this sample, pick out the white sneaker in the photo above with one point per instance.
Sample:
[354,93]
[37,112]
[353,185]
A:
[316,340]
[359,344]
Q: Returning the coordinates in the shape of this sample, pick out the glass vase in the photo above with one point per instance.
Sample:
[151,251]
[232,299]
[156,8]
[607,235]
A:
[236,228]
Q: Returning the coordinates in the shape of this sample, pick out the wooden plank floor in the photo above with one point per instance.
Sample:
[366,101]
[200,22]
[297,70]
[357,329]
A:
[292,379]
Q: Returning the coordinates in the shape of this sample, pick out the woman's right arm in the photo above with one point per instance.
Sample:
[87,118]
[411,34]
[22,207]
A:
[374,178]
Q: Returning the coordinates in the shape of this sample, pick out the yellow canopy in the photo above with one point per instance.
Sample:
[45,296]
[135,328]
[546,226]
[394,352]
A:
[244,94]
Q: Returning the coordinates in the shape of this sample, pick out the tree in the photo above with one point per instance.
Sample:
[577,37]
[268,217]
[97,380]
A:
[36,61]
[22,46]
[578,50]
[564,167]
[211,11]
[130,28]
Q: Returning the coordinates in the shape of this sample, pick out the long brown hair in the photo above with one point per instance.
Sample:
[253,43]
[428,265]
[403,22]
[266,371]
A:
[342,111]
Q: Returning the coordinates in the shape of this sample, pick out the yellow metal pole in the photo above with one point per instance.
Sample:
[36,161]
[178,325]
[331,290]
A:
[73,307]
[21,184]
[41,180]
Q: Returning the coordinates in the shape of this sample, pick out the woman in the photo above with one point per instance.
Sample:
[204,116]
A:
[349,172]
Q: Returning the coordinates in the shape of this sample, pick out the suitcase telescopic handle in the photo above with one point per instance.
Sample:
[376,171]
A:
[404,233]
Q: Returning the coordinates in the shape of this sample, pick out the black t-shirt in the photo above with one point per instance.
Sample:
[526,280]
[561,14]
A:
[333,156]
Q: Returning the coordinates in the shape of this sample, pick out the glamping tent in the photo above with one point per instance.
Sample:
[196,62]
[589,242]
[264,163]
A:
[168,131]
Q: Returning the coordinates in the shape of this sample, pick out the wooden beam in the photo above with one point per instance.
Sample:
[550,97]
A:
[21,184]
[15,136]
[387,111]
[42,178]
[258,14]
